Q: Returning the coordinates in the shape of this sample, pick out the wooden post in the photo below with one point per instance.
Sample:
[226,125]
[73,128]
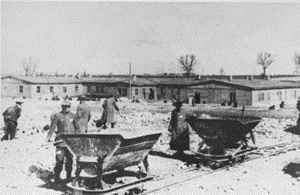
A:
[130,80]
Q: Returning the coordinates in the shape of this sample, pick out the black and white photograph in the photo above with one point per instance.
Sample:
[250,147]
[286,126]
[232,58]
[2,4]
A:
[150,97]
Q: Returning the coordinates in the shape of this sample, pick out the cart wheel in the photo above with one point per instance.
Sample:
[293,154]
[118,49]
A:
[242,158]
[214,165]
[233,161]
[136,191]
[205,163]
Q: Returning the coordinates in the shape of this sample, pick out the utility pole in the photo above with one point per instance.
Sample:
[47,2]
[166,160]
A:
[130,90]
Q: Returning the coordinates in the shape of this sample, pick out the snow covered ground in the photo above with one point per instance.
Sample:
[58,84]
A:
[27,162]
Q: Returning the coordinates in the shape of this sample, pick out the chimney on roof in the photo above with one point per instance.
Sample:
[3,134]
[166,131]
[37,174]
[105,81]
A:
[199,77]
[230,77]
[268,77]
[133,77]
[250,77]
[77,76]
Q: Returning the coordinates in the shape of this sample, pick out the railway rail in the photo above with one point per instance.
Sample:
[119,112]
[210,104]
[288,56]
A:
[193,173]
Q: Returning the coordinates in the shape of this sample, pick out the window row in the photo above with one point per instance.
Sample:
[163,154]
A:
[99,89]
[51,89]
[266,96]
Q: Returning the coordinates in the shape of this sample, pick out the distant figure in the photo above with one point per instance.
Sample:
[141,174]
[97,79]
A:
[193,101]
[272,107]
[235,104]
[298,108]
[109,107]
[224,103]
[83,115]
[11,116]
[179,130]
[65,122]
[281,104]
[102,121]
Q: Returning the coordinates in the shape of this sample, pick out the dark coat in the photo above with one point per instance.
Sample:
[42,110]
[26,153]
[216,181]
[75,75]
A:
[109,107]
[179,129]
[12,113]
[64,123]
[83,116]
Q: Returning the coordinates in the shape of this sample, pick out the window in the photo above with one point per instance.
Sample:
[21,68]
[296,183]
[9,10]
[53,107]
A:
[76,88]
[97,89]
[64,89]
[162,92]
[88,89]
[136,92]
[144,93]
[295,94]
[269,96]
[178,91]
[21,89]
[51,89]
[122,92]
[38,89]
[261,97]
[279,94]
[102,89]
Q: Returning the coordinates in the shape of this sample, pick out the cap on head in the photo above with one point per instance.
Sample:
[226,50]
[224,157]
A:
[65,103]
[178,104]
[19,101]
[82,97]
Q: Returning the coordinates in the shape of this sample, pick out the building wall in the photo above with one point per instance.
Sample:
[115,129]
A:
[11,88]
[211,93]
[144,92]
[169,92]
[216,94]
[119,90]
[106,89]
[275,96]
[58,89]
[244,97]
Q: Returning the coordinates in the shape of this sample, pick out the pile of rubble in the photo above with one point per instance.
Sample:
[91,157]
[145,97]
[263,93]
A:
[32,157]
[273,131]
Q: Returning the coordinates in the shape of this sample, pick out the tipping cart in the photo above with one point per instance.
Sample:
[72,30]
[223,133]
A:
[102,153]
[224,138]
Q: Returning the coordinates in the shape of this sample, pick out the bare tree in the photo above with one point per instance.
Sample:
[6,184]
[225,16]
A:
[29,67]
[297,62]
[222,71]
[188,63]
[265,59]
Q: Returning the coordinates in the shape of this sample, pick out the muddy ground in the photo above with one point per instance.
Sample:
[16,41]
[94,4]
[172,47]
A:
[26,163]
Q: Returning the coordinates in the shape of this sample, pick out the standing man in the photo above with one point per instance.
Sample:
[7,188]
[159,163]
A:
[179,130]
[11,116]
[109,106]
[298,108]
[64,121]
[83,115]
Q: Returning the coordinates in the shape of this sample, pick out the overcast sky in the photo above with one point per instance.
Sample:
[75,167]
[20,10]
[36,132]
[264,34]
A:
[103,37]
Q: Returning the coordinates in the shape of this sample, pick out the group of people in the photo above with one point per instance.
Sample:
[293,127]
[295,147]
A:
[63,122]
[67,122]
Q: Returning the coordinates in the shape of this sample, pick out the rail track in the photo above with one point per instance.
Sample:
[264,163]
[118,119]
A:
[194,173]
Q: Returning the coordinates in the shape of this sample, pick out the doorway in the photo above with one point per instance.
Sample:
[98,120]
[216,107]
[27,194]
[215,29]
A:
[197,98]
[232,97]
